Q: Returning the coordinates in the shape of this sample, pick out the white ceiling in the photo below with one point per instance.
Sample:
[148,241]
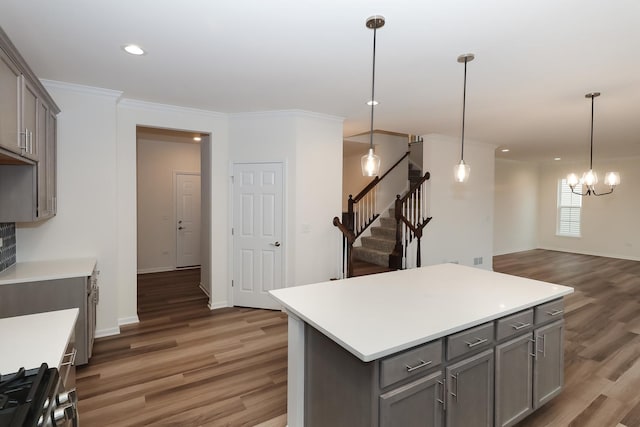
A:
[535,61]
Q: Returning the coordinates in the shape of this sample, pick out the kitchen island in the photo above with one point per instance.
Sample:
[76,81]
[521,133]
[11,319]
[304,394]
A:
[436,342]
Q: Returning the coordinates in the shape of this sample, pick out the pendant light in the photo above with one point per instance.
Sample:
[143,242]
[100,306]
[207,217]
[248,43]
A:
[370,162]
[461,170]
[590,178]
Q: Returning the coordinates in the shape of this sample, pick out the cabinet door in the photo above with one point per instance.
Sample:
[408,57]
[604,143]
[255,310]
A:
[51,156]
[470,392]
[41,147]
[514,380]
[417,404]
[548,371]
[9,104]
[30,105]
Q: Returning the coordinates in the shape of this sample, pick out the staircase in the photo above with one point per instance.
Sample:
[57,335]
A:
[375,249]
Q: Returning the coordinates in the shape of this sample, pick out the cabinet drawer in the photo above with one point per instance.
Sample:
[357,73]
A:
[410,362]
[514,324]
[549,311]
[469,340]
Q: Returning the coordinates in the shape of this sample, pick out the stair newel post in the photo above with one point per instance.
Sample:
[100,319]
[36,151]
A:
[350,220]
[395,259]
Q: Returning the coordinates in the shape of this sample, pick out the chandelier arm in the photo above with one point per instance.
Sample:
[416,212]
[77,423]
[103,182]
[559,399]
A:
[373,87]
[578,193]
[603,194]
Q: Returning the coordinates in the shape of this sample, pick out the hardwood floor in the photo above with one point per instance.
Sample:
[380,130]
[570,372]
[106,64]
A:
[184,365]
[602,344]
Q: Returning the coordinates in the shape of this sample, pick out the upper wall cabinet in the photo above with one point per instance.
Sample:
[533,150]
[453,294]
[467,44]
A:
[27,141]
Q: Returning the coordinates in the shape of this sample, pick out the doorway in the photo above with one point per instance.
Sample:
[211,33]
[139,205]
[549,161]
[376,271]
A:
[162,155]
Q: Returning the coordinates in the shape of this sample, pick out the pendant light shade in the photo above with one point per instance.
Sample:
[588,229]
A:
[590,178]
[370,162]
[462,170]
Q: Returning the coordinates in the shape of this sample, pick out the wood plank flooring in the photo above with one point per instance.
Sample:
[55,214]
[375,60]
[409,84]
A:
[184,365]
[602,342]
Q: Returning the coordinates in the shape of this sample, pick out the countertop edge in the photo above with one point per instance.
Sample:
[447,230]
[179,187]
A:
[37,271]
[404,346]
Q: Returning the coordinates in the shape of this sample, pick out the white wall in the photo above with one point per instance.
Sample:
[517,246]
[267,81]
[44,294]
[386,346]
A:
[85,224]
[157,164]
[516,206]
[462,225]
[310,146]
[352,179]
[609,223]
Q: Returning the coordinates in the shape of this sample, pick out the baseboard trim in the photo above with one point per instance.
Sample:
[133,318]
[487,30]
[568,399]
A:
[600,254]
[218,304]
[155,270]
[206,291]
[128,320]
[107,332]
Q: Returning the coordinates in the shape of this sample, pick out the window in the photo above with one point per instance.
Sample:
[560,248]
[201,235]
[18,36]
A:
[569,206]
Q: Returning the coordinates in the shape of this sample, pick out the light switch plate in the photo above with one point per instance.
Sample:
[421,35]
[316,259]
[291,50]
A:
[0,242]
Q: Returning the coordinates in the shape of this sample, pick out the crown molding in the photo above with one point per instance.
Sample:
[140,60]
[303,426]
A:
[136,104]
[87,90]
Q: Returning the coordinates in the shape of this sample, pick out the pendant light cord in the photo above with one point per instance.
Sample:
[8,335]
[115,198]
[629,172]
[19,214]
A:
[591,154]
[464,104]
[373,87]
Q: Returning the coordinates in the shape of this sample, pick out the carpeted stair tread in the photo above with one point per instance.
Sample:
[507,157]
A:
[379,243]
[371,255]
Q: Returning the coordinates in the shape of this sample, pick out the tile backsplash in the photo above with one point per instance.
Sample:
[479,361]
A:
[8,249]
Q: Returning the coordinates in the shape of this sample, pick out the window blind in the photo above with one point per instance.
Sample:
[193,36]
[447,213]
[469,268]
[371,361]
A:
[569,206]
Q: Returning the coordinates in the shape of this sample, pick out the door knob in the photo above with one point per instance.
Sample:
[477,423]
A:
[276,244]
[180,228]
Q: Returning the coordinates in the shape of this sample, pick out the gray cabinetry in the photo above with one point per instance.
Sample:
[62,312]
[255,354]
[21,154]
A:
[48,295]
[548,371]
[470,392]
[514,380]
[27,141]
[9,103]
[417,404]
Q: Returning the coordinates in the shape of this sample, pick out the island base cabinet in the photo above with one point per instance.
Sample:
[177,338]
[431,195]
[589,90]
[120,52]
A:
[418,404]
[470,392]
[548,371]
[514,380]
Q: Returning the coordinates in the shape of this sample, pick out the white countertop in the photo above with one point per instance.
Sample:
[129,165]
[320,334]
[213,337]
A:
[378,315]
[28,341]
[35,271]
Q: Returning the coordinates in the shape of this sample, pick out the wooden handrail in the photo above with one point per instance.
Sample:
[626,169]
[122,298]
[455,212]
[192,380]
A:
[376,180]
[347,233]
[413,188]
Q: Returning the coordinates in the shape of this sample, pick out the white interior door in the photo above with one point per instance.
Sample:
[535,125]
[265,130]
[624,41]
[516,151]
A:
[188,219]
[257,233]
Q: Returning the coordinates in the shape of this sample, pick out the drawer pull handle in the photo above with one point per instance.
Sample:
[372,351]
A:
[422,364]
[476,343]
[71,356]
[520,325]
[555,312]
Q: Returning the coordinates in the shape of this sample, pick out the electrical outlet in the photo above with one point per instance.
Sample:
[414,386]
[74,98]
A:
[1,242]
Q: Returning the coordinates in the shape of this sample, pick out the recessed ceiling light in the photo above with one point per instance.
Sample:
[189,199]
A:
[133,49]
[374,102]
[557,158]
[197,138]
[505,150]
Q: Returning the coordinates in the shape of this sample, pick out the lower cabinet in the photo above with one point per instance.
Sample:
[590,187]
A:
[470,392]
[490,375]
[417,404]
[514,380]
[548,370]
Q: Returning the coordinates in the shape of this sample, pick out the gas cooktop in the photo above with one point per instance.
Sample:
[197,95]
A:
[26,397]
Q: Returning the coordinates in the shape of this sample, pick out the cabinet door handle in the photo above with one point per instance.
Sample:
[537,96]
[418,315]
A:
[555,312]
[422,364]
[71,356]
[533,344]
[477,342]
[30,142]
[520,325]
[454,377]
[444,395]
[24,147]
